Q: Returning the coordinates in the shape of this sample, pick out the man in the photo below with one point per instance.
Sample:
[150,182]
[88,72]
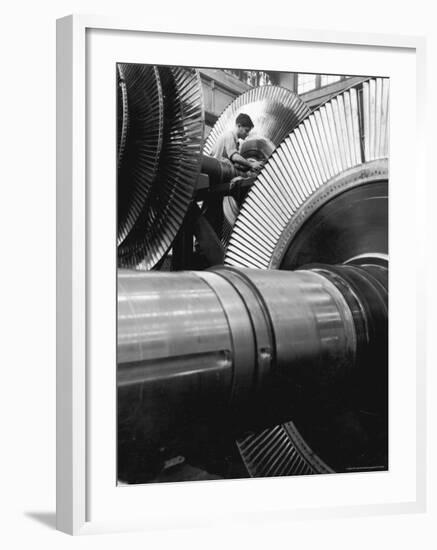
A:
[209,225]
[226,147]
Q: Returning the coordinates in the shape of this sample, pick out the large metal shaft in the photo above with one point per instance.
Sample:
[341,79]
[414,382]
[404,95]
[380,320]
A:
[218,170]
[196,344]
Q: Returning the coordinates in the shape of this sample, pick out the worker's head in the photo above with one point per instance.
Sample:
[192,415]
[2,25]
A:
[244,125]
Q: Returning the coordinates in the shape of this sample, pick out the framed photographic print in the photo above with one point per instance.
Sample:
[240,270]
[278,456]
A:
[237,333]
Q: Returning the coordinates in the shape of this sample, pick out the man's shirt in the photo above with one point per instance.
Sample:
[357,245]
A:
[225,146]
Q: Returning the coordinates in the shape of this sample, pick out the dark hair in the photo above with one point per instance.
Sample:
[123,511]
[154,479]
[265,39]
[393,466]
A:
[244,120]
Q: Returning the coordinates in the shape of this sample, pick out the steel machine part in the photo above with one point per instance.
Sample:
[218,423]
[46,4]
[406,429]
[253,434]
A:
[275,111]
[255,347]
[340,148]
[174,183]
[219,171]
[293,363]
[122,115]
[324,193]
[140,130]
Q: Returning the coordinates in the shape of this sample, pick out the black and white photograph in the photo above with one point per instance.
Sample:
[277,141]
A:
[204,345]
[252,280]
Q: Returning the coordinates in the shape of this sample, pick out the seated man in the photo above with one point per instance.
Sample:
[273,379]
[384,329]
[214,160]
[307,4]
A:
[209,224]
[226,150]
[226,147]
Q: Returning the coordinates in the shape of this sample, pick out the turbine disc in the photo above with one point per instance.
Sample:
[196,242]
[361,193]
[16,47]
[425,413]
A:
[179,168]
[275,111]
[323,157]
[122,115]
[328,170]
[230,213]
[279,451]
[140,130]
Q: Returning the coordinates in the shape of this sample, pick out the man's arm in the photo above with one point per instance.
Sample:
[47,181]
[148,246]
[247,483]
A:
[251,164]
[231,148]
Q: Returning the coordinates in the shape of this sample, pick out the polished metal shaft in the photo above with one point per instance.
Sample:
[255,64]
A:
[195,344]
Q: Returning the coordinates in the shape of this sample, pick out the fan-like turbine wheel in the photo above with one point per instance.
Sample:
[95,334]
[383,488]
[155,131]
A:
[321,197]
[179,168]
[275,111]
[140,131]
[122,115]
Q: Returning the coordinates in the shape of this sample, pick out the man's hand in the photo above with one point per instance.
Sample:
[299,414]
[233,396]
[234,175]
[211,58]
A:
[235,182]
[255,165]
[248,164]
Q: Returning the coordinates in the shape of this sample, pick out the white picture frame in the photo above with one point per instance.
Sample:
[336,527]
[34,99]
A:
[77,372]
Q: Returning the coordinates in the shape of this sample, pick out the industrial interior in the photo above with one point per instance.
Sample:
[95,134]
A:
[252,332]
